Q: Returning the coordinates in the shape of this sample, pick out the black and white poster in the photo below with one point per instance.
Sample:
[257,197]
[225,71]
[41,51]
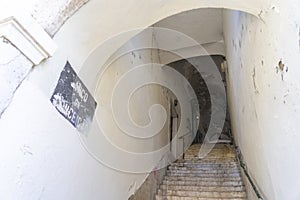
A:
[73,101]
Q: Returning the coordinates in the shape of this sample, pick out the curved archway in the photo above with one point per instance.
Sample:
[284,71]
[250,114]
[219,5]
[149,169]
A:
[96,22]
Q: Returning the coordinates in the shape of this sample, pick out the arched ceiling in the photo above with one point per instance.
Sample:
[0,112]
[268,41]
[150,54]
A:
[203,25]
[99,20]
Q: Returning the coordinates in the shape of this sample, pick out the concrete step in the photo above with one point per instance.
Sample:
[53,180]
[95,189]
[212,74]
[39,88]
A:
[172,197]
[195,151]
[212,194]
[207,170]
[209,161]
[204,170]
[202,183]
[213,153]
[204,167]
[203,188]
[199,161]
[212,175]
[223,150]
[210,156]
[216,146]
[203,179]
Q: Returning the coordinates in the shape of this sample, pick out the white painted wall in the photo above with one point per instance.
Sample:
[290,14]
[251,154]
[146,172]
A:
[203,25]
[124,61]
[46,158]
[14,67]
[264,100]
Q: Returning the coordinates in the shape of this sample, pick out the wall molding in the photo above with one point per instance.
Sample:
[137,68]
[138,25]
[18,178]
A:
[28,37]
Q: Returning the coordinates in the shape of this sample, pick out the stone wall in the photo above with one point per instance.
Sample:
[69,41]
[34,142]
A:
[51,15]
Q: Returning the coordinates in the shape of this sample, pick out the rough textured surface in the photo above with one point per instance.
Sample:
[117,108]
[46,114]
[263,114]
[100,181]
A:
[14,67]
[217,176]
[264,93]
[52,19]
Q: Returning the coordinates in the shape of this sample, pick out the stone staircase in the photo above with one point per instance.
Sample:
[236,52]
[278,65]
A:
[217,176]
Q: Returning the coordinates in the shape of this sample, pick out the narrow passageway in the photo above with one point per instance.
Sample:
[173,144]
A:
[188,68]
[218,176]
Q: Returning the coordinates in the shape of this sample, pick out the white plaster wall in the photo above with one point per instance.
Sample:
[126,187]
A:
[14,67]
[41,161]
[44,155]
[203,25]
[129,57]
[264,100]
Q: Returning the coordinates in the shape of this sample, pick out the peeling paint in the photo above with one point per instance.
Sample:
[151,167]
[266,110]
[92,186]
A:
[282,68]
[281,65]
[254,82]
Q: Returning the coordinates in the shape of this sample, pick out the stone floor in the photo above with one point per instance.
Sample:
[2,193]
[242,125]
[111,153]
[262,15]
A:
[217,176]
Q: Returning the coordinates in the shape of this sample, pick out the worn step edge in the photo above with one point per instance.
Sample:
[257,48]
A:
[203,170]
[204,188]
[172,197]
[208,174]
[217,179]
[202,183]
[212,194]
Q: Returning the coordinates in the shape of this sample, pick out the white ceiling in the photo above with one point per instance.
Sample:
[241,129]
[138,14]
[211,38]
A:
[203,25]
